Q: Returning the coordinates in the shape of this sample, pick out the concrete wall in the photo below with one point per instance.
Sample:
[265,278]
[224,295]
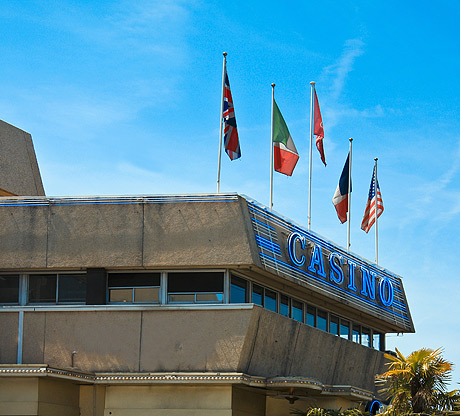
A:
[126,235]
[253,341]
[168,401]
[19,173]
[38,396]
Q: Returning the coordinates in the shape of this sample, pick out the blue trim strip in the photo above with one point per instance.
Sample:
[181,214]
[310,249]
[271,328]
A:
[267,244]
[263,224]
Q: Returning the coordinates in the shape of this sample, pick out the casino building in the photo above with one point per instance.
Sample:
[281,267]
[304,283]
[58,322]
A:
[179,305]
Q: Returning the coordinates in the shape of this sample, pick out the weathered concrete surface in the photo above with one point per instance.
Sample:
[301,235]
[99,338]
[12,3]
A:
[95,235]
[63,234]
[23,237]
[9,337]
[19,173]
[250,340]
[196,233]
[282,346]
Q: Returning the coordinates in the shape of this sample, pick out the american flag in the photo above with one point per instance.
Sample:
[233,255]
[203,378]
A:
[231,142]
[369,213]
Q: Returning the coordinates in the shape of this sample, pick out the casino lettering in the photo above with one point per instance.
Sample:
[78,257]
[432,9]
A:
[340,270]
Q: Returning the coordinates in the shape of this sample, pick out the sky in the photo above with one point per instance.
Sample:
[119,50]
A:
[123,98]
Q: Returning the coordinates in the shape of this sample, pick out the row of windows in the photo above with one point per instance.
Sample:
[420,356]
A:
[243,291]
[180,288]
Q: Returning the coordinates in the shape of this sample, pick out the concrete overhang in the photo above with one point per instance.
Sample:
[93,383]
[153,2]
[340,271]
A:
[223,231]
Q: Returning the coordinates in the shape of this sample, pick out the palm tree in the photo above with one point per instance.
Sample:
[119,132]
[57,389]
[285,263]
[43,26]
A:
[417,384]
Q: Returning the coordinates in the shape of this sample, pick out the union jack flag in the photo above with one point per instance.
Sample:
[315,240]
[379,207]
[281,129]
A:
[374,198]
[231,142]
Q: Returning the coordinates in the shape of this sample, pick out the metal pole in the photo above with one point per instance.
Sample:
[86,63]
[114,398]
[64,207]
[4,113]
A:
[349,196]
[271,151]
[376,216]
[221,121]
[312,111]
[20,336]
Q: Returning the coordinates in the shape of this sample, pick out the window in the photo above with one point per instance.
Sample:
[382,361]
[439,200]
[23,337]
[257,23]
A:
[321,320]
[9,288]
[376,338]
[187,287]
[334,325]
[57,288]
[297,310]
[270,300]
[366,337]
[257,295]
[284,305]
[356,334]
[238,290]
[134,287]
[311,316]
[344,329]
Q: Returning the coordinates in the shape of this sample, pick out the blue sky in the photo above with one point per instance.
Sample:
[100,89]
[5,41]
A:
[124,98]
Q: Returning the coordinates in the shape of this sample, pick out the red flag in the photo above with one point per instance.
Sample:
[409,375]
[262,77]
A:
[318,130]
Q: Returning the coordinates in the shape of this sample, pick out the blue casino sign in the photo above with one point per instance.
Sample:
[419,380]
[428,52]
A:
[294,253]
[371,286]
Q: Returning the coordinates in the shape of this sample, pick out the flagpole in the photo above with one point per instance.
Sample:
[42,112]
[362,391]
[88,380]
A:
[312,83]
[349,196]
[376,216]
[221,121]
[271,152]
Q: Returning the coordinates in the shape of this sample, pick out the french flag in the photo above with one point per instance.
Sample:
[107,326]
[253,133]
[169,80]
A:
[340,198]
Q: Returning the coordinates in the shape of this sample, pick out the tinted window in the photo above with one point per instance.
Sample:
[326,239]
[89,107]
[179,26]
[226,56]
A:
[334,325]
[72,288]
[9,288]
[257,295]
[311,316]
[238,290]
[321,320]
[284,305]
[270,300]
[196,282]
[133,279]
[297,310]
[366,337]
[344,329]
[356,335]
[42,288]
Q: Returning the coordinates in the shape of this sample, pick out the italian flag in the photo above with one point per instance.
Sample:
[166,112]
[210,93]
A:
[285,152]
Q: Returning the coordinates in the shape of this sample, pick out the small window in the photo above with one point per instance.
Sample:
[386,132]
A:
[134,287]
[9,288]
[198,287]
[344,329]
[356,334]
[366,337]
[376,340]
[284,305]
[257,295]
[57,288]
[334,325]
[321,320]
[297,310]
[42,288]
[238,290]
[311,316]
[270,300]
[71,288]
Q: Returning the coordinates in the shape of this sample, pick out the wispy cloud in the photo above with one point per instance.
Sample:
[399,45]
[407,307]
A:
[339,71]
